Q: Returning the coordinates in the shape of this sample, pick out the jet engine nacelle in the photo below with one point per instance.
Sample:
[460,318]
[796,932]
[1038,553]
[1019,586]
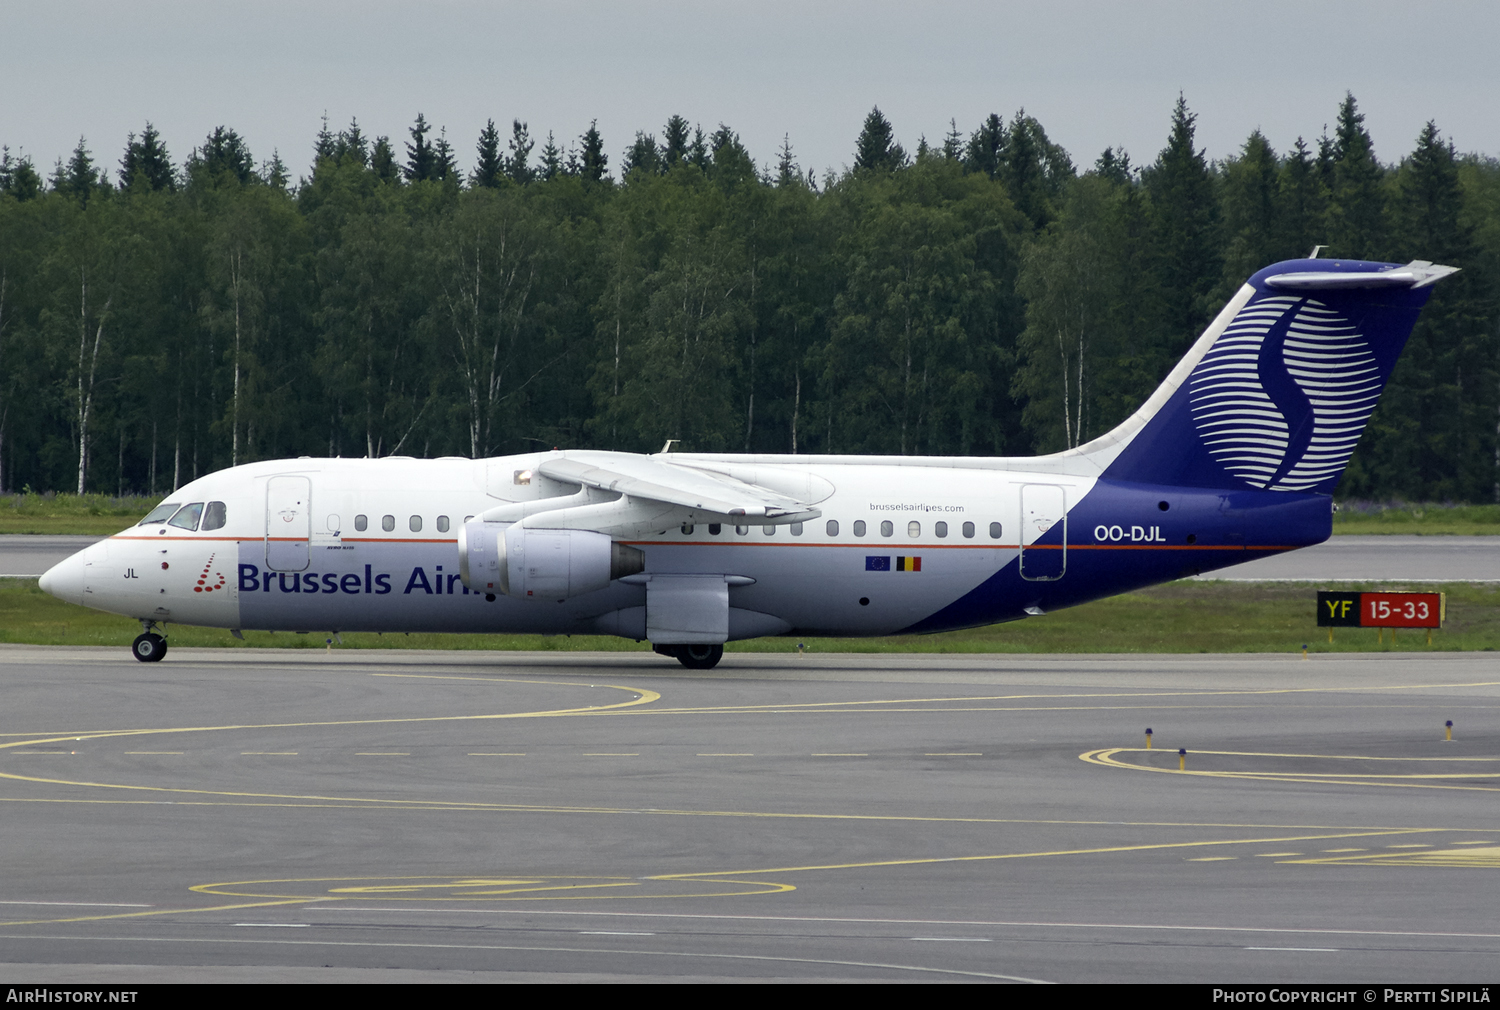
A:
[532,564]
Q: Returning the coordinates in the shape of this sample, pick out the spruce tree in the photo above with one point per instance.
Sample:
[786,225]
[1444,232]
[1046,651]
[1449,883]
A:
[1034,169]
[1356,210]
[876,149]
[641,156]
[787,172]
[731,164]
[953,142]
[592,161]
[1185,231]
[421,161]
[275,173]
[1302,202]
[352,146]
[224,156]
[552,160]
[383,161]
[986,149]
[146,162]
[488,166]
[1325,160]
[324,145]
[674,148]
[697,152]
[18,177]
[1114,167]
[1251,220]
[517,163]
[445,164]
[79,179]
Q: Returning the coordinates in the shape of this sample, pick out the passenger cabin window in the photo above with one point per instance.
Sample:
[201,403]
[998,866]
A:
[994,531]
[969,530]
[941,529]
[714,528]
[160,514]
[832,527]
[859,527]
[886,529]
[415,524]
[687,529]
[387,523]
[914,529]
[187,517]
[442,524]
[769,531]
[215,516]
[796,529]
[742,530]
[361,523]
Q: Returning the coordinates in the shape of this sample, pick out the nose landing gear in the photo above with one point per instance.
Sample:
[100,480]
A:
[149,647]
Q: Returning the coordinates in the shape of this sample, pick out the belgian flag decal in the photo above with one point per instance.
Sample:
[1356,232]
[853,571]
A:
[908,564]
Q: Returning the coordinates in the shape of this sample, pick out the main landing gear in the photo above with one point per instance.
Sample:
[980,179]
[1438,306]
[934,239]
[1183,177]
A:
[694,657]
[148,646]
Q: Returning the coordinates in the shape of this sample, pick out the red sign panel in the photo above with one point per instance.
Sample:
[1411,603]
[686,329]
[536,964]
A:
[1401,610]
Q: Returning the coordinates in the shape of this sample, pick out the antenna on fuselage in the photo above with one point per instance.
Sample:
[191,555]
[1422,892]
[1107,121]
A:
[1316,249]
[670,442]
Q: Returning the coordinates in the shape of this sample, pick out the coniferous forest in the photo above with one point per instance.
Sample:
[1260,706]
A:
[162,318]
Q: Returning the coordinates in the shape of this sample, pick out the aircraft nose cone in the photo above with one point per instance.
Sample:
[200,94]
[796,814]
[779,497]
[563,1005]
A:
[64,580]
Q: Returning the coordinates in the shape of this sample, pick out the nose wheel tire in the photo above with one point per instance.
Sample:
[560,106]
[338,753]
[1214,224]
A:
[700,657]
[149,648]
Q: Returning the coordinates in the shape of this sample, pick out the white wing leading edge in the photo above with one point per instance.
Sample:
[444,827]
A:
[627,495]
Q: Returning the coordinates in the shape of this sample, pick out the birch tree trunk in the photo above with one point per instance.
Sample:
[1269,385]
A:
[88,364]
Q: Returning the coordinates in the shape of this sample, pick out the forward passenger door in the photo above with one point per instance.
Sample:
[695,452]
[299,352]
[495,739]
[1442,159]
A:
[288,522]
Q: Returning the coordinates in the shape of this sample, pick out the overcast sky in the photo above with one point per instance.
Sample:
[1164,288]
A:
[1094,73]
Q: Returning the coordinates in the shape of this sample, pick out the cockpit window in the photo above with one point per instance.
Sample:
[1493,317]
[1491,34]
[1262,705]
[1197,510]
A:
[214,516]
[160,513]
[187,517]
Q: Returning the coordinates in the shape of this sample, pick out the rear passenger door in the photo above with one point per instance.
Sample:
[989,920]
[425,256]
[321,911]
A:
[1044,508]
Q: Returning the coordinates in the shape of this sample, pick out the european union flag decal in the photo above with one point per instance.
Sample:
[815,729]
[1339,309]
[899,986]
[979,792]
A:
[877,564]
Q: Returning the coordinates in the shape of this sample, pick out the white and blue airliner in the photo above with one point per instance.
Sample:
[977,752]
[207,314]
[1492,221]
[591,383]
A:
[1233,458]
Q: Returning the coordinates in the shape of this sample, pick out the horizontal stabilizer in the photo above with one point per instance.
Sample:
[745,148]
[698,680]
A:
[1416,274]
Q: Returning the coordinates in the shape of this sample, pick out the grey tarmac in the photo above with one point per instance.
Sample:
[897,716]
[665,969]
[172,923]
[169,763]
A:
[1378,559]
[28,556]
[344,816]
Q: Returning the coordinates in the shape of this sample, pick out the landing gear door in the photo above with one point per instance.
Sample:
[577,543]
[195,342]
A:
[687,610]
[288,523]
[1044,532]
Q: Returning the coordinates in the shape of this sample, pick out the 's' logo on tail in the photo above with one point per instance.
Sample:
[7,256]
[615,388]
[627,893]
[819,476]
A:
[1281,398]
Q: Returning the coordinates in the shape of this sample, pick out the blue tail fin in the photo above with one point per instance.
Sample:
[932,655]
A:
[1277,391]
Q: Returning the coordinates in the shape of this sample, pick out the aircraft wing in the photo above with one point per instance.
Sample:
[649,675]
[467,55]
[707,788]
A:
[673,483]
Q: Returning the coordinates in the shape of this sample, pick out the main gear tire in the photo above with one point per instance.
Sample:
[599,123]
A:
[700,657]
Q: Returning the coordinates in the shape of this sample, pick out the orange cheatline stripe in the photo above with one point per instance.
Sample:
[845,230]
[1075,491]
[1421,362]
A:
[298,540]
[989,546]
[878,544]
